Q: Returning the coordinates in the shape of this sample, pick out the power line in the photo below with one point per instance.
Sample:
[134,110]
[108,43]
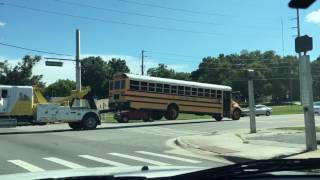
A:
[176,9]
[109,21]
[136,14]
[34,50]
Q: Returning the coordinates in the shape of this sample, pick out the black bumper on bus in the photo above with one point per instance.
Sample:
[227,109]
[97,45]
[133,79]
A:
[118,106]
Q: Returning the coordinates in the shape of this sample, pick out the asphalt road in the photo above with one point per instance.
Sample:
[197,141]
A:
[41,148]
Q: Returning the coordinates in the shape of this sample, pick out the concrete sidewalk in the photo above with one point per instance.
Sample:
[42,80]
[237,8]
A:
[243,146]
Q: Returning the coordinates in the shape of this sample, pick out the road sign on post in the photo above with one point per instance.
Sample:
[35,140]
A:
[54,63]
[251,101]
[304,44]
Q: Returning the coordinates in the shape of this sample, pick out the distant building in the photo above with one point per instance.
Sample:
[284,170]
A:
[102,104]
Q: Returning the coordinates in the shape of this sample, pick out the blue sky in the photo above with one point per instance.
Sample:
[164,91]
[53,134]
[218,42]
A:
[216,27]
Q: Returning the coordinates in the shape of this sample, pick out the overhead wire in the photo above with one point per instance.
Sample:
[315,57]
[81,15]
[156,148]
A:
[136,14]
[109,21]
[34,50]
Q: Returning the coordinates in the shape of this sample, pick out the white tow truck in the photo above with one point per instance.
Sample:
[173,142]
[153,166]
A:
[25,105]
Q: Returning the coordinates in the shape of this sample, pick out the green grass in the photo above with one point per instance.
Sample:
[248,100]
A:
[298,128]
[287,109]
[108,117]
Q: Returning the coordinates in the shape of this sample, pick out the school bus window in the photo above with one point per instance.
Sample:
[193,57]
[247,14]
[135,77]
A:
[200,92]
[207,92]
[213,93]
[123,84]
[134,85]
[144,86]
[4,93]
[111,85]
[188,91]
[159,88]
[166,88]
[181,90]
[173,89]
[219,93]
[194,91]
[117,85]
[151,87]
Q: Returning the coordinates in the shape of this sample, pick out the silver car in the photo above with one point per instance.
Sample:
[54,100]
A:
[260,110]
[316,108]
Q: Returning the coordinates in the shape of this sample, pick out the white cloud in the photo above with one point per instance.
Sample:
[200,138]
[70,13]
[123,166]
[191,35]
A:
[314,17]
[2,24]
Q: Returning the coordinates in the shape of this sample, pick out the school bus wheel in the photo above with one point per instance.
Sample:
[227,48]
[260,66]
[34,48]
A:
[236,114]
[172,112]
[217,117]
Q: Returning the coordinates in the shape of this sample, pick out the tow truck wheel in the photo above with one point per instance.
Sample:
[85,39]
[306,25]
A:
[89,122]
[75,125]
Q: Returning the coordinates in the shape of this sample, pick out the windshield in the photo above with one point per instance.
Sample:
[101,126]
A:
[125,83]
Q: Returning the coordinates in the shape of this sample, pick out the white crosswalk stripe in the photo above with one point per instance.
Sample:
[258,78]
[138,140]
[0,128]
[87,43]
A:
[162,131]
[64,162]
[26,165]
[158,163]
[105,161]
[169,157]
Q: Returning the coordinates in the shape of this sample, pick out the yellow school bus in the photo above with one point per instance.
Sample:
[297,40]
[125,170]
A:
[150,98]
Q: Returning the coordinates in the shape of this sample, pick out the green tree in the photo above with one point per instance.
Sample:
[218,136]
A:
[163,71]
[96,73]
[21,74]
[60,88]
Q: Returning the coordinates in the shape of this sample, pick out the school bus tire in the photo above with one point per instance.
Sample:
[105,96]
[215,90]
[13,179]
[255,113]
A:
[172,112]
[217,117]
[236,114]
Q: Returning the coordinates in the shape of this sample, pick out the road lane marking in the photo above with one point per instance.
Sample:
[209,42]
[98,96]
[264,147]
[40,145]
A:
[105,161]
[27,166]
[158,163]
[169,157]
[64,162]
[167,132]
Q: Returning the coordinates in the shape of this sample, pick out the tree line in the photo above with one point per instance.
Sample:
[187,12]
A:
[276,77]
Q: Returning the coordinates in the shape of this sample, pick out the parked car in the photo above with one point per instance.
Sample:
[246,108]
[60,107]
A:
[260,110]
[316,107]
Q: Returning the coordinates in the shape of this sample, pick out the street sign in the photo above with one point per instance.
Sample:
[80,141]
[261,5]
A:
[54,63]
[303,44]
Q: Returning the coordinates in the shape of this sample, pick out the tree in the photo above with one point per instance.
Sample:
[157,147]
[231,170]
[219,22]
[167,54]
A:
[96,73]
[275,76]
[163,71]
[60,88]
[21,74]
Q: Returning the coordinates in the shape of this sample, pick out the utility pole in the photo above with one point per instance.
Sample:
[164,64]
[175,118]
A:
[304,44]
[251,102]
[282,38]
[78,64]
[142,62]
